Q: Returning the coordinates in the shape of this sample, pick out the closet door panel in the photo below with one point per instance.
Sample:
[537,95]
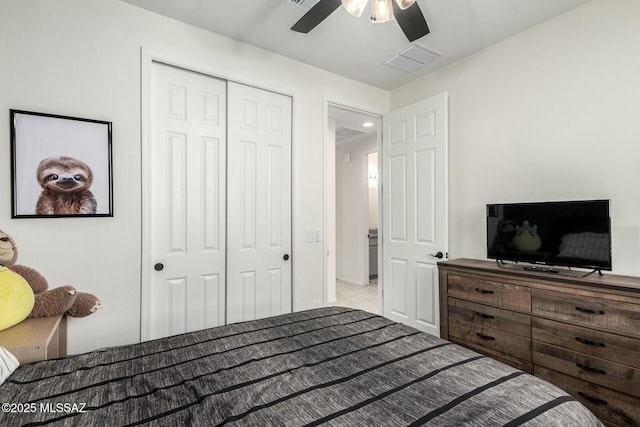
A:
[185,205]
[258,203]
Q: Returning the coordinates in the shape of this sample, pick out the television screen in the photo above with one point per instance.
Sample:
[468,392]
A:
[574,233]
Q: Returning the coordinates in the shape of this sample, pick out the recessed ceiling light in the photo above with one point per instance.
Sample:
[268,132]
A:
[367,124]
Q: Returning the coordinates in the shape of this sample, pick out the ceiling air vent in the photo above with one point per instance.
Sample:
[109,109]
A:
[413,58]
[305,4]
[344,133]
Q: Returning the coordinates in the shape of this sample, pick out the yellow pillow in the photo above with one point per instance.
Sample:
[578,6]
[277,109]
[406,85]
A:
[16,298]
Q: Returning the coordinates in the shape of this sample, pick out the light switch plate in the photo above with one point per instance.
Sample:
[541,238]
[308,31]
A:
[312,236]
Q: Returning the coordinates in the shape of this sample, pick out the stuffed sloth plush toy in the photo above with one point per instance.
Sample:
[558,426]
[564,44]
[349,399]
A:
[62,300]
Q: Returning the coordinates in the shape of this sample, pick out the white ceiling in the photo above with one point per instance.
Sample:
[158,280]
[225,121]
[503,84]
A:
[355,48]
[351,120]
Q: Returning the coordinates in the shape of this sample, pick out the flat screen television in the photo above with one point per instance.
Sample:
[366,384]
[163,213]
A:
[571,233]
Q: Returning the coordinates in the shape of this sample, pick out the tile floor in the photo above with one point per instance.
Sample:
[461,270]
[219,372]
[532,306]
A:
[358,296]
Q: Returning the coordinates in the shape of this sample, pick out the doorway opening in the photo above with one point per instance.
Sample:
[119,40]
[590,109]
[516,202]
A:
[353,203]
[372,184]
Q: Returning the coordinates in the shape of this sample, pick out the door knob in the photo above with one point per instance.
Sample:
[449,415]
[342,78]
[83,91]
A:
[286,257]
[158,267]
[438,255]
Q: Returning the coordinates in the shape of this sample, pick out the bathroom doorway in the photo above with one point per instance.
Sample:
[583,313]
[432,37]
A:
[372,184]
[352,181]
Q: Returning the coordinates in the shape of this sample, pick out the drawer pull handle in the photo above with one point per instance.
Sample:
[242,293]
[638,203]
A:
[484,291]
[589,342]
[590,369]
[485,316]
[485,337]
[593,399]
[589,311]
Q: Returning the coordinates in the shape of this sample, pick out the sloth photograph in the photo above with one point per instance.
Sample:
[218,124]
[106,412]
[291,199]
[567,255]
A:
[61,166]
[65,183]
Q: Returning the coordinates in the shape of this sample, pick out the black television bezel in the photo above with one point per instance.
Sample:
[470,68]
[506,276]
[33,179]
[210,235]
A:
[542,262]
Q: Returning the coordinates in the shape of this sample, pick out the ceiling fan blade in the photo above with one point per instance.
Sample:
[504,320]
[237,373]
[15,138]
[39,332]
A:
[316,15]
[411,21]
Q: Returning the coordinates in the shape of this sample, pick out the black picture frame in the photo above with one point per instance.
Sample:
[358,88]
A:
[60,166]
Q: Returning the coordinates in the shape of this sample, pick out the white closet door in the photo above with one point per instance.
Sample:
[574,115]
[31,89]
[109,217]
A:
[414,211]
[186,207]
[258,203]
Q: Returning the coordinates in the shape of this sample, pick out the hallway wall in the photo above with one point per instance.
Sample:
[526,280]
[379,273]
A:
[352,215]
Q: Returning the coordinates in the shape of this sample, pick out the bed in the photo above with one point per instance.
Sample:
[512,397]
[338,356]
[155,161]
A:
[330,366]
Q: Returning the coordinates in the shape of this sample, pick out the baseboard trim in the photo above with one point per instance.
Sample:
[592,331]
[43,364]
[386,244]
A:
[352,281]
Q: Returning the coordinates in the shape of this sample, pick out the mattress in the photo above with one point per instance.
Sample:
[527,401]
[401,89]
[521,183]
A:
[329,366]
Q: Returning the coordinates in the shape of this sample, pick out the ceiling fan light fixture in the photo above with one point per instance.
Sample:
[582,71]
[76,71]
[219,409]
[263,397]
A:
[355,7]
[382,11]
[404,4]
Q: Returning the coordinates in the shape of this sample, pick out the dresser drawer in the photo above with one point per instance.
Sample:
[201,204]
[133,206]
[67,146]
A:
[614,316]
[603,345]
[603,372]
[494,339]
[494,293]
[496,318]
[610,406]
[520,364]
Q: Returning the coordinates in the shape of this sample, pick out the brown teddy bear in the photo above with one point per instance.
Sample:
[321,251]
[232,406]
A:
[62,300]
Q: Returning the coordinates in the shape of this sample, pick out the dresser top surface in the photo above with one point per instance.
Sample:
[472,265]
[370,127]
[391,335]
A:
[563,275]
[30,331]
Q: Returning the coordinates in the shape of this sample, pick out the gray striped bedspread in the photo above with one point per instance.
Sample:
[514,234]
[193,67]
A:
[329,366]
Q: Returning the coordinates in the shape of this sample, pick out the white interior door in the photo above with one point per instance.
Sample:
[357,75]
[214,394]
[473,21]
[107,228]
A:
[258,204]
[186,208]
[414,211]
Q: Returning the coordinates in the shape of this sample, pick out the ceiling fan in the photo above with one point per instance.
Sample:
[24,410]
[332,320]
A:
[406,12]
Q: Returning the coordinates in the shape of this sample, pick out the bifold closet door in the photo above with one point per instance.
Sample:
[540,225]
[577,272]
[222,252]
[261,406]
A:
[258,203]
[186,204]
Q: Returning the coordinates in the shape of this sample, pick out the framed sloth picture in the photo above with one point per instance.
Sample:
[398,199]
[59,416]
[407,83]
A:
[61,166]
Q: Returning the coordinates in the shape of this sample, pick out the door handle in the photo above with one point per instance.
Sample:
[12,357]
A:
[286,257]
[438,255]
[158,267]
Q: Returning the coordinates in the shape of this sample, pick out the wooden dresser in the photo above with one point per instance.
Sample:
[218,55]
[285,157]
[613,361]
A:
[580,333]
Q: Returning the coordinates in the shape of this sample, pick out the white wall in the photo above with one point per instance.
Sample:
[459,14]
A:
[82,58]
[550,114]
[352,205]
